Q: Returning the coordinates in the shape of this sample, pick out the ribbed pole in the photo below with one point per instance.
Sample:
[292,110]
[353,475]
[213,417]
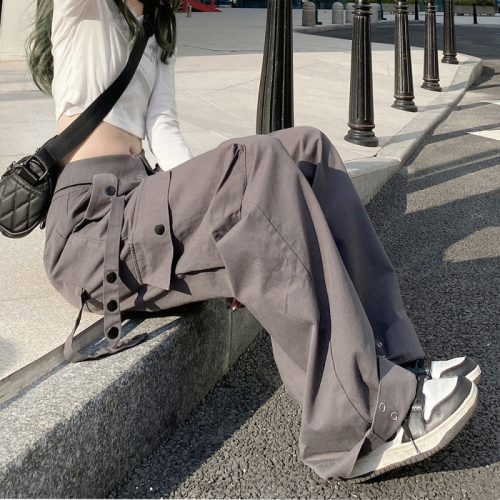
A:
[361,121]
[275,106]
[431,67]
[403,76]
[449,46]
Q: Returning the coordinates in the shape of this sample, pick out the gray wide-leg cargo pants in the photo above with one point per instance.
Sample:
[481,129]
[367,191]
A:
[275,222]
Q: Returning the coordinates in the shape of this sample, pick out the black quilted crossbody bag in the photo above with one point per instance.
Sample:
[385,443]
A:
[26,188]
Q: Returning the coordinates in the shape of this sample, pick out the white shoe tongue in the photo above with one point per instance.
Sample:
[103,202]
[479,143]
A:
[435,392]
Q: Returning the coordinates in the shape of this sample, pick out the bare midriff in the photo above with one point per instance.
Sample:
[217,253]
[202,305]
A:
[105,140]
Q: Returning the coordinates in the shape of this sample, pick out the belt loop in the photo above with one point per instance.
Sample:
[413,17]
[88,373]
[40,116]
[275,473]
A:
[147,166]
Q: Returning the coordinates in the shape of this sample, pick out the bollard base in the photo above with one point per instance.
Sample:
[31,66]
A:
[449,59]
[434,86]
[405,105]
[362,138]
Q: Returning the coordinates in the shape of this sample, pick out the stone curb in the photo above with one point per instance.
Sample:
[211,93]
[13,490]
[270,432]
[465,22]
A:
[330,27]
[319,29]
[79,429]
[369,175]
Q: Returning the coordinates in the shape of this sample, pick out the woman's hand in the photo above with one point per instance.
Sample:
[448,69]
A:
[233,304]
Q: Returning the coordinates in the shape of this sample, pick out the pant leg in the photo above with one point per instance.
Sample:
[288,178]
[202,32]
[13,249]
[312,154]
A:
[363,256]
[284,265]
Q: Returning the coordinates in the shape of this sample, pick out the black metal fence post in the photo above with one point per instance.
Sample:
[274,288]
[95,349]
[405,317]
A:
[449,46]
[361,122]
[417,7]
[403,76]
[431,65]
[275,107]
[474,12]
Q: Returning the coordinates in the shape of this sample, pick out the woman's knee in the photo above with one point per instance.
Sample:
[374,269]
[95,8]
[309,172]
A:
[304,143]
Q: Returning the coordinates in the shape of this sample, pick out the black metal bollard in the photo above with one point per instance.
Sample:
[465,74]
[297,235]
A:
[474,12]
[431,67]
[449,46]
[417,8]
[361,122]
[275,107]
[403,77]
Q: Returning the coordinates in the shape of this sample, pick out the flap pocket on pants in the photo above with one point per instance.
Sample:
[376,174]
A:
[104,188]
[151,240]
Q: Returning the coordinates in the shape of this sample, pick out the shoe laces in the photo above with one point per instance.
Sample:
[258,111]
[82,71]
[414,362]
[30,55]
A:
[407,431]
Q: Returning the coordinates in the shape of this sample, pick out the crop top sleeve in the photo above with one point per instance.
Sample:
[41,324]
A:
[88,56]
[162,125]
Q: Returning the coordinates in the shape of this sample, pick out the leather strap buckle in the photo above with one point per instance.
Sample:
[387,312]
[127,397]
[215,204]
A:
[28,174]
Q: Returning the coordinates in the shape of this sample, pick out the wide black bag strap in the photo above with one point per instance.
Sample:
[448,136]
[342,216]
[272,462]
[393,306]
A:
[61,145]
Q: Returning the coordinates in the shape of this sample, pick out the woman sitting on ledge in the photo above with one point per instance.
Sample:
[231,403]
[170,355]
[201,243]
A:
[273,221]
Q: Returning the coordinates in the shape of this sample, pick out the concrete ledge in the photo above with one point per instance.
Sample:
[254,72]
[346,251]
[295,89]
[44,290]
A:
[78,430]
[18,380]
[370,175]
[326,27]
[319,29]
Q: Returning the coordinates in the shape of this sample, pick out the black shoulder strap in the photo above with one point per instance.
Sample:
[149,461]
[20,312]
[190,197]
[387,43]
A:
[58,147]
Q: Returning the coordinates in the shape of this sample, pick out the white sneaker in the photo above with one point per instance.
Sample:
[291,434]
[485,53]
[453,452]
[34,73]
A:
[441,409]
[457,367]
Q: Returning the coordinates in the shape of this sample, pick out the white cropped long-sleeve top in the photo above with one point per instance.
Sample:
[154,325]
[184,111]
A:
[90,46]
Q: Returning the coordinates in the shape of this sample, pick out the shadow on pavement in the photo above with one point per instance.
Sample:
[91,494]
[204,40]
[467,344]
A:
[453,304]
[450,170]
[228,406]
[487,74]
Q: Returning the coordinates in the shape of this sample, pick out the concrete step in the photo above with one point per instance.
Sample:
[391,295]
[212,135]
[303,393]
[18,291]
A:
[77,430]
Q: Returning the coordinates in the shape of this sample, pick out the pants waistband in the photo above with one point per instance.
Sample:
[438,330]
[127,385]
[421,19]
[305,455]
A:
[123,166]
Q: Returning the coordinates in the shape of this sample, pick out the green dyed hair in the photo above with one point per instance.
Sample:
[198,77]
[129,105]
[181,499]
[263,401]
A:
[39,45]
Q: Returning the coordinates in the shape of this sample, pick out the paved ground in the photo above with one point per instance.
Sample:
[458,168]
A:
[440,224]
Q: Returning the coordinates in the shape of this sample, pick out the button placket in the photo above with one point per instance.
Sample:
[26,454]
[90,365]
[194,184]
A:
[111,282]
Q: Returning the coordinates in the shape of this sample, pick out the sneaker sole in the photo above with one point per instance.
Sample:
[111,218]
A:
[475,376]
[391,457]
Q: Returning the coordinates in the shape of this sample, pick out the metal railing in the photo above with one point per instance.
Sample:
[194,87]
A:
[275,105]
